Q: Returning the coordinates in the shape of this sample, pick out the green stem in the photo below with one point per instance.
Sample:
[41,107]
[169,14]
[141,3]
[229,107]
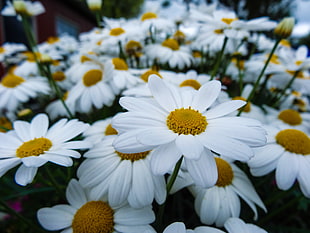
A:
[160,213]
[219,59]
[12,212]
[288,85]
[261,74]
[240,75]
[29,34]
[57,90]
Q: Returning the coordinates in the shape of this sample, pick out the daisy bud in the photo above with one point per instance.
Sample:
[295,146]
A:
[94,5]
[285,27]
[20,7]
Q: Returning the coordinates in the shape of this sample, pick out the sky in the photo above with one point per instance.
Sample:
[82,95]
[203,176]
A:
[302,16]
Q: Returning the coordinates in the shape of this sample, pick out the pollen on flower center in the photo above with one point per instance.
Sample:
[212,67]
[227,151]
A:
[119,64]
[110,130]
[133,156]
[225,173]
[294,141]
[148,15]
[191,83]
[34,147]
[145,76]
[59,76]
[171,43]
[290,116]
[247,107]
[12,80]
[116,31]
[229,20]
[94,217]
[186,121]
[92,77]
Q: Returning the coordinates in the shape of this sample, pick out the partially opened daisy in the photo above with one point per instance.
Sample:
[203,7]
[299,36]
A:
[123,177]
[288,153]
[178,122]
[222,201]
[86,214]
[34,144]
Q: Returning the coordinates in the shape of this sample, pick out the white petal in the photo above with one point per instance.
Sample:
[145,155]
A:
[133,217]
[224,108]
[164,158]
[156,136]
[22,130]
[189,146]
[7,164]
[59,159]
[287,170]
[39,126]
[122,176]
[178,227]
[204,170]
[33,161]
[54,219]
[206,95]
[142,188]
[303,176]
[162,93]
[24,175]
[75,194]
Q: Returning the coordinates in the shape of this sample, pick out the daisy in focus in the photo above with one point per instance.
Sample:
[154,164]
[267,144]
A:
[179,123]
[287,152]
[34,144]
[121,176]
[91,215]
[222,201]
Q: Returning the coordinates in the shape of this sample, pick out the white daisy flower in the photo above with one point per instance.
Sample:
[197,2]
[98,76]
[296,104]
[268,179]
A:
[15,90]
[287,152]
[27,8]
[91,215]
[92,89]
[121,77]
[179,122]
[33,145]
[7,50]
[98,130]
[218,203]
[288,118]
[169,52]
[105,167]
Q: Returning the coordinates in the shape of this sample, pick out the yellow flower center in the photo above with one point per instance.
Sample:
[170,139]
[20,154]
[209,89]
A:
[239,64]
[134,48]
[2,50]
[92,77]
[275,59]
[52,39]
[294,141]
[116,31]
[191,83]
[59,76]
[12,80]
[110,130]
[290,116]
[65,95]
[148,15]
[119,64]
[229,20]
[5,124]
[218,31]
[247,107]
[285,43]
[145,76]
[171,43]
[225,173]
[196,54]
[34,147]
[133,156]
[94,217]
[186,121]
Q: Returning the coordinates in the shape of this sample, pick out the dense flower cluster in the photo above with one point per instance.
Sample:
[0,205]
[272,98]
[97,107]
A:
[153,106]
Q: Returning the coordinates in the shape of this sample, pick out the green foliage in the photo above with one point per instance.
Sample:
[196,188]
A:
[305,40]
[120,8]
